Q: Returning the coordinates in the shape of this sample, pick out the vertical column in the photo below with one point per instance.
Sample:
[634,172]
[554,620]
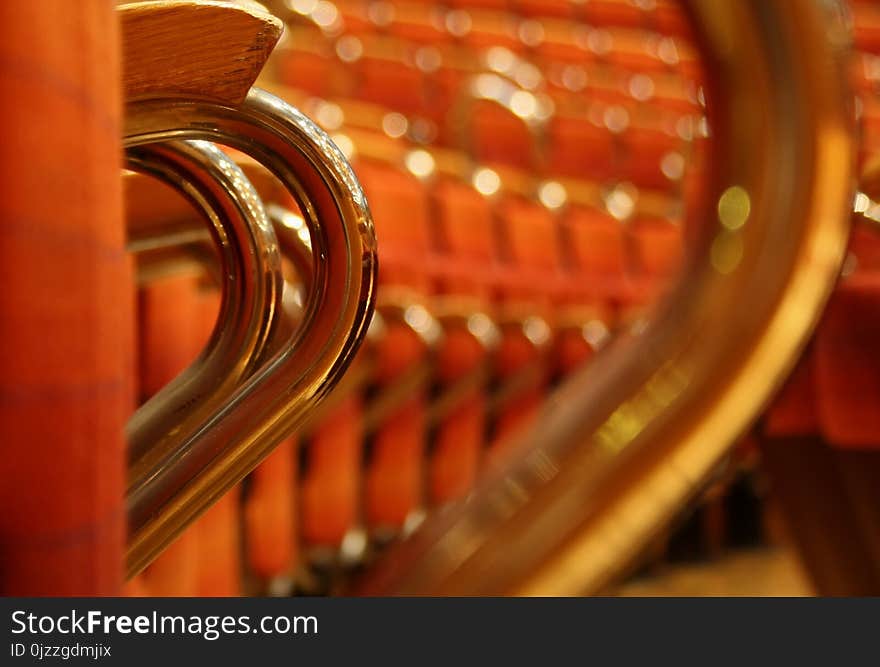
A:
[65,303]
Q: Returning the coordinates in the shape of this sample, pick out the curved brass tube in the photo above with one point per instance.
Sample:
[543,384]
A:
[624,443]
[295,245]
[178,241]
[177,236]
[180,476]
[250,270]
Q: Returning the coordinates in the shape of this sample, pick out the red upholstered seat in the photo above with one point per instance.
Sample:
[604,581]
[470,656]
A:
[394,475]
[597,246]
[170,337]
[497,136]
[393,84]
[465,265]
[270,514]
[847,364]
[459,439]
[659,246]
[440,237]
[219,548]
[615,13]
[399,204]
[669,18]
[306,71]
[581,149]
[464,258]
[330,483]
[515,355]
[529,246]
[545,8]
[866,23]
[835,390]
[642,158]
[793,411]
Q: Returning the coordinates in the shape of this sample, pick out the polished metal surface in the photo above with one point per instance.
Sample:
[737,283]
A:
[624,443]
[186,470]
[294,240]
[250,277]
[177,238]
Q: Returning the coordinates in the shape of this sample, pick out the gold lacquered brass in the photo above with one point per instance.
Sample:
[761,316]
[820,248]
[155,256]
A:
[174,477]
[194,463]
[250,278]
[624,443]
[167,232]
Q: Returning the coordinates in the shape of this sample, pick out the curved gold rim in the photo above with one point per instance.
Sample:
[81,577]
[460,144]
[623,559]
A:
[250,277]
[623,444]
[174,483]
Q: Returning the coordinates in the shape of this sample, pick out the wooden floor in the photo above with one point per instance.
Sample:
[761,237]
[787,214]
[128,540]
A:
[759,572]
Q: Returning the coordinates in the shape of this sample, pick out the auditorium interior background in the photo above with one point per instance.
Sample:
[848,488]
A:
[471,297]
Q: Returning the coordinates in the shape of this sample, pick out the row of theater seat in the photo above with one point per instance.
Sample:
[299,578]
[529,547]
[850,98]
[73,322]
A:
[550,101]
[526,244]
[522,221]
[836,390]
[821,437]
[520,199]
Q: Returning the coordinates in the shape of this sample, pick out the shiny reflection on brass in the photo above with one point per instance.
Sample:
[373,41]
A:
[621,445]
[293,236]
[178,239]
[250,279]
[866,206]
[191,466]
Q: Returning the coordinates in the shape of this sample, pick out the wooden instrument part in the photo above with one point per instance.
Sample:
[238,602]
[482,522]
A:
[201,49]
